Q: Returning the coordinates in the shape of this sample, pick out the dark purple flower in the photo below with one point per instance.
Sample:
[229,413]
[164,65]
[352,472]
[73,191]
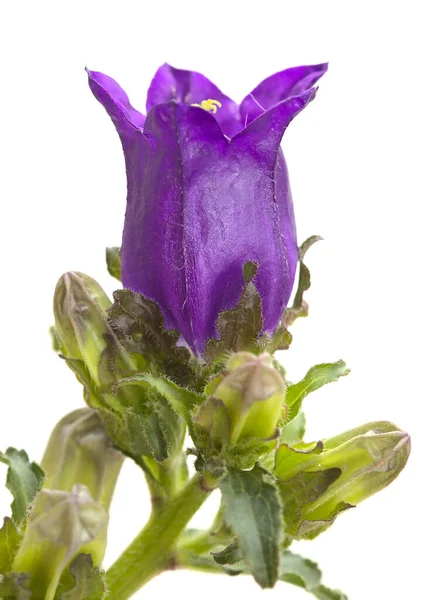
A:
[207,193]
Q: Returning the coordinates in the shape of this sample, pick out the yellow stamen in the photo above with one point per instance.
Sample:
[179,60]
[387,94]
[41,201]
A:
[209,105]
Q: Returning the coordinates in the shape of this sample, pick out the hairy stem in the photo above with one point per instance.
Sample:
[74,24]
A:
[151,552]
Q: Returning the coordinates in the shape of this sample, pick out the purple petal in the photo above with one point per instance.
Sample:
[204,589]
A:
[190,87]
[264,134]
[116,102]
[278,87]
[200,209]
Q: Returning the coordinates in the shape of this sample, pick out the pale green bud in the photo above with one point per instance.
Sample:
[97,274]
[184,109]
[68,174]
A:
[79,305]
[364,461]
[61,525]
[79,451]
[247,403]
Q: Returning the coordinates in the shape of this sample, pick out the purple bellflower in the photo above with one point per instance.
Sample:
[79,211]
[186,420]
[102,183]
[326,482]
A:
[208,191]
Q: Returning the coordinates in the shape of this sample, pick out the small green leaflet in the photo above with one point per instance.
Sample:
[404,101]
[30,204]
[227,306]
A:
[300,307]
[252,508]
[294,569]
[315,378]
[14,586]
[23,480]
[306,574]
[9,543]
[89,584]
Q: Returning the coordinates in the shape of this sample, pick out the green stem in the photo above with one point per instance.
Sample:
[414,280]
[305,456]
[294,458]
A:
[151,552]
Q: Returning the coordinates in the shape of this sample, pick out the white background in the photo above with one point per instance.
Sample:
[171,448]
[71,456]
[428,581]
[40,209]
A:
[361,159]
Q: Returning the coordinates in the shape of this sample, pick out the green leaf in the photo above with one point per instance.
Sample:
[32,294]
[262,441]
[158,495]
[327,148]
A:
[299,571]
[9,543]
[181,400]
[294,431]
[23,480]
[228,556]
[88,581]
[113,262]
[324,593]
[138,324]
[252,509]
[305,573]
[15,586]
[315,378]
[294,569]
[239,327]
[299,491]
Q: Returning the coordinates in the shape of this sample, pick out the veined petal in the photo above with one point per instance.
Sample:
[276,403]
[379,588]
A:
[264,134]
[168,218]
[199,211]
[116,102]
[278,87]
[261,140]
[190,87]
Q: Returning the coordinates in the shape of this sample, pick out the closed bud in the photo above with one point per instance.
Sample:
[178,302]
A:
[61,525]
[79,305]
[358,463]
[247,403]
[79,451]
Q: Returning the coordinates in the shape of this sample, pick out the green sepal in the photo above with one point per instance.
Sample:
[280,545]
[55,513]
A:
[113,261]
[23,480]
[88,582]
[138,421]
[300,307]
[15,586]
[315,378]
[246,453]
[252,508]
[298,492]
[239,328]
[281,339]
[212,418]
[138,324]
[10,539]
[162,411]
[181,400]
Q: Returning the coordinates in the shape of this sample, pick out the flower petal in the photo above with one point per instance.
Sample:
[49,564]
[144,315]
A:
[264,134]
[278,87]
[190,87]
[168,218]
[116,102]
[199,209]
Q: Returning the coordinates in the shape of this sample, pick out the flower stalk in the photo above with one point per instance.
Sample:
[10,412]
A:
[151,552]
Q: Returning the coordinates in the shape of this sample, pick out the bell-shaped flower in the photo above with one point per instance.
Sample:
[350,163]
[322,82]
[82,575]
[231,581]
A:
[208,191]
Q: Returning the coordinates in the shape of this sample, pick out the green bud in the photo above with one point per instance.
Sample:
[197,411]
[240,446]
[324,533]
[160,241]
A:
[247,403]
[79,451]
[61,525]
[79,305]
[361,461]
